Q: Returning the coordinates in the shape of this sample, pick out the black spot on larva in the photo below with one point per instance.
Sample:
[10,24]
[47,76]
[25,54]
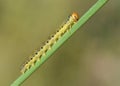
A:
[68,18]
[62,26]
[47,41]
[42,47]
[57,31]
[31,58]
[36,52]
[52,36]
[26,62]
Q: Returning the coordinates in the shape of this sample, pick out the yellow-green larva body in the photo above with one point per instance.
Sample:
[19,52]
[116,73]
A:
[48,45]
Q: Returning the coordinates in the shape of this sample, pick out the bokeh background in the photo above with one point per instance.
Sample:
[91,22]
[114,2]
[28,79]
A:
[89,58]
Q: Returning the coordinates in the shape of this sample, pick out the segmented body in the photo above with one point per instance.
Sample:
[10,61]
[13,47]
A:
[49,43]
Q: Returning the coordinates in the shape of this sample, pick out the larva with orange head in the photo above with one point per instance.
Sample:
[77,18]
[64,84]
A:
[72,20]
[48,45]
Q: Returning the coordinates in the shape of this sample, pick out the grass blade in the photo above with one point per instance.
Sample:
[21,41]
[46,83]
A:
[75,27]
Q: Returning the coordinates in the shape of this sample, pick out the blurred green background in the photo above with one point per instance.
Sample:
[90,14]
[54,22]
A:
[89,58]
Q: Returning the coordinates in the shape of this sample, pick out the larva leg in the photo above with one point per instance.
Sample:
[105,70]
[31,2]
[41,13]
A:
[23,70]
[39,55]
[27,66]
[33,61]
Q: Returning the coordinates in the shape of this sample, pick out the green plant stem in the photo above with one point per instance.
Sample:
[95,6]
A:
[75,27]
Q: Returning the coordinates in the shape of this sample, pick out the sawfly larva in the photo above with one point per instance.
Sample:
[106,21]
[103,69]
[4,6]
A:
[50,42]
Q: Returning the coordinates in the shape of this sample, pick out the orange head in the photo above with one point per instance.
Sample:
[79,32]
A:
[75,16]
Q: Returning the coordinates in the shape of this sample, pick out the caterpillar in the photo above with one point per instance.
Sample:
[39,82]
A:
[73,18]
